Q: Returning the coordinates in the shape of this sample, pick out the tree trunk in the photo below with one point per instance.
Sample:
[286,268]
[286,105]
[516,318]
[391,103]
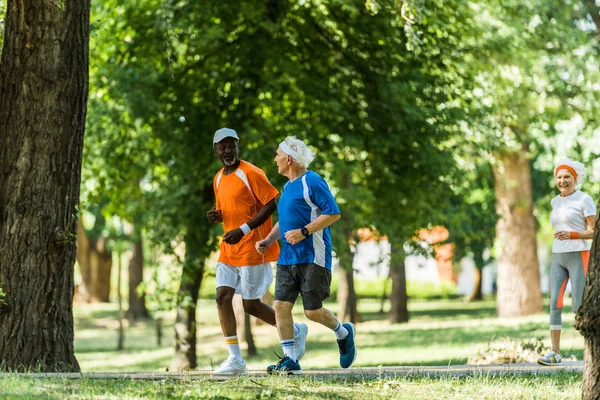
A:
[121,341]
[479,263]
[398,296]
[95,264]
[249,337]
[159,331]
[137,303]
[346,295]
[243,323]
[187,299]
[519,290]
[588,321]
[476,295]
[384,294]
[43,97]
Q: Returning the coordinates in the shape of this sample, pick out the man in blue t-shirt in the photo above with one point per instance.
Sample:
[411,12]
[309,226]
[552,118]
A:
[306,209]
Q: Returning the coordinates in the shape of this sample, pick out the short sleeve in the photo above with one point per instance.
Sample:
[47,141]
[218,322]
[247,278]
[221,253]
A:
[588,206]
[216,178]
[322,196]
[261,187]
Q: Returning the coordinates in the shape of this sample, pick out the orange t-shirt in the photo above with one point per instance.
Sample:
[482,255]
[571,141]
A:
[240,195]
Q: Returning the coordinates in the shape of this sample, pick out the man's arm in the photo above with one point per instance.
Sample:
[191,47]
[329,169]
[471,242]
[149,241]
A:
[323,221]
[235,235]
[263,245]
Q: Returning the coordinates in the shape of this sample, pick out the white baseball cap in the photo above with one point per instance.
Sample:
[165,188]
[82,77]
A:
[224,133]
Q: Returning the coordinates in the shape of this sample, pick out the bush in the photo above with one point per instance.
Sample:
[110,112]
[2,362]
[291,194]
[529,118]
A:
[365,288]
[431,291]
[510,351]
[373,289]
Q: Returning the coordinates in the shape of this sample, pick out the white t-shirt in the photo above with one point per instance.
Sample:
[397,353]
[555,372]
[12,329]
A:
[568,214]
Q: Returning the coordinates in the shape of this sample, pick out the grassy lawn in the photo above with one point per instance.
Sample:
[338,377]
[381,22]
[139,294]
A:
[559,386]
[439,333]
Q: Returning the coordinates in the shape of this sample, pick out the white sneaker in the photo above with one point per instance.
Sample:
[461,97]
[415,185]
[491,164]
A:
[550,358]
[300,340]
[232,366]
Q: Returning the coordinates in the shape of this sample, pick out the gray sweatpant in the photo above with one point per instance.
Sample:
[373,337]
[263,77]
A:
[565,266]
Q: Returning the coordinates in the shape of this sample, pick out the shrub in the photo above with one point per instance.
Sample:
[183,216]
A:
[510,351]
[365,288]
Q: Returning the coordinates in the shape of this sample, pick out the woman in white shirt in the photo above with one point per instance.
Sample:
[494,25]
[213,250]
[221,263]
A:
[573,217]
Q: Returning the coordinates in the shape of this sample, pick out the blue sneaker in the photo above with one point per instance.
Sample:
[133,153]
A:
[285,366]
[347,346]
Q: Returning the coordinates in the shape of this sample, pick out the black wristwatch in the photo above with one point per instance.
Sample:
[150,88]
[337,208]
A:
[305,232]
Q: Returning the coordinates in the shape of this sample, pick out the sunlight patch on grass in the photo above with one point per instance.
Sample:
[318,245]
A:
[124,361]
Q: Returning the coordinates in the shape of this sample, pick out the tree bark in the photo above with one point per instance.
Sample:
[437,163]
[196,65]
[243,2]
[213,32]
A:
[243,322]
[187,299]
[476,295]
[519,290]
[346,295]
[137,303]
[479,263]
[249,336]
[43,98]
[588,321]
[398,297]
[95,265]
[121,340]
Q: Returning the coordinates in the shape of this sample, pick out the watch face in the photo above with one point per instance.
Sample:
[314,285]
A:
[304,231]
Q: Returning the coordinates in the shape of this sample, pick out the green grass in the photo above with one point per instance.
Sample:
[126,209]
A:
[438,333]
[561,385]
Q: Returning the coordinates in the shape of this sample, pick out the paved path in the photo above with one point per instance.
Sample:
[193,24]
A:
[336,373]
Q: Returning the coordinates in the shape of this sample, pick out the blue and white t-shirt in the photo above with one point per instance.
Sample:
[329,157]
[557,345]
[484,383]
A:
[301,202]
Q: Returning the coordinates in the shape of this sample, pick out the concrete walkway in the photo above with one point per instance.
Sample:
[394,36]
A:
[335,373]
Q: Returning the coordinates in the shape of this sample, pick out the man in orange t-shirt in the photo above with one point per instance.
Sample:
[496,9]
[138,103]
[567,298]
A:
[245,201]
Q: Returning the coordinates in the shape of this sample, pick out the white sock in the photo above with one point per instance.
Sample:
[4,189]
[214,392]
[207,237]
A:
[340,331]
[289,348]
[233,346]
[296,329]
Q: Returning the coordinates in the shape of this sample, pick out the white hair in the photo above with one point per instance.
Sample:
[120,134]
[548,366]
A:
[303,155]
[578,167]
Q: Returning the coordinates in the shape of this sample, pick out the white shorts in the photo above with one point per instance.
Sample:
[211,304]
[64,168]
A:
[251,282]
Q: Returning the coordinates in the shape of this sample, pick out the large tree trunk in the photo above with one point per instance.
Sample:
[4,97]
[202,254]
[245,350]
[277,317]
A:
[398,297]
[43,96]
[588,321]
[519,290]
[187,299]
[95,265]
[137,303]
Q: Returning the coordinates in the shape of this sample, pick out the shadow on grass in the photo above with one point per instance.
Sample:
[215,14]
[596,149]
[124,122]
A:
[456,314]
